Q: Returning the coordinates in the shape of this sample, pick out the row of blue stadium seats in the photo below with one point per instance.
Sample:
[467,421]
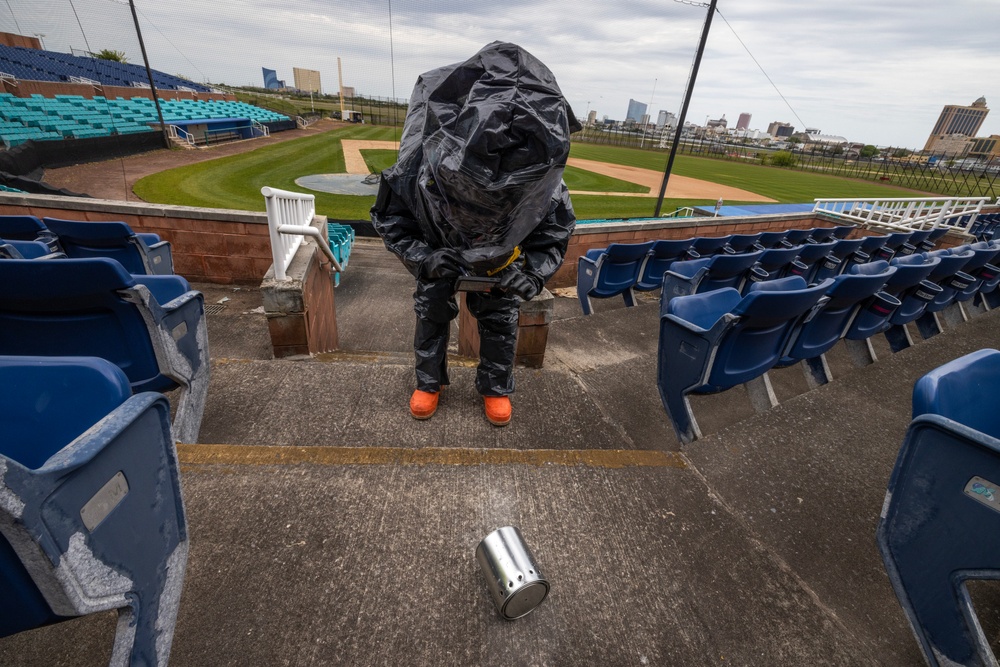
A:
[623,269]
[27,237]
[38,65]
[985,225]
[66,116]
[90,479]
[713,340]
[341,239]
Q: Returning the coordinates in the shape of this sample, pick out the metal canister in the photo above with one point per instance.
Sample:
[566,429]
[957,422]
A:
[512,576]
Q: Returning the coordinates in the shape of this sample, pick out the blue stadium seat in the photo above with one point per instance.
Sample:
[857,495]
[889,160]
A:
[745,242]
[916,300]
[842,302]
[609,272]
[706,246]
[27,228]
[940,524]
[92,517]
[663,253]
[952,286]
[799,236]
[842,231]
[774,240]
[713,341]
[814,257]
[709,273]
[140,254]
[874,246]
[823,234]
[774,263]
[152,327]
[27,250]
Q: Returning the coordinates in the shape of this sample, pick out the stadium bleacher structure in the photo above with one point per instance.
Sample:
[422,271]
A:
[863,295]
[73,116]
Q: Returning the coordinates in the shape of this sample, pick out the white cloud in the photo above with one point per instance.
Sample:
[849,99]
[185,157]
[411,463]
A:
[873,72]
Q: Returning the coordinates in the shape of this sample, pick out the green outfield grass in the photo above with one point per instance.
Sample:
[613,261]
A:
[235,182]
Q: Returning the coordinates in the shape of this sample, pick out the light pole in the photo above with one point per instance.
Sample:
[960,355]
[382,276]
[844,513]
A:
[684,107]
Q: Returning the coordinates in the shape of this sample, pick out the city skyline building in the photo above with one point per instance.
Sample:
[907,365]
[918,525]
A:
[744,122]
[307,80]
[957,120]
[780,129]
[271,80]
[666,119]
[636,110]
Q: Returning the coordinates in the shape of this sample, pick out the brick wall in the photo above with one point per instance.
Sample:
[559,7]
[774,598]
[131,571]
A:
[208,245]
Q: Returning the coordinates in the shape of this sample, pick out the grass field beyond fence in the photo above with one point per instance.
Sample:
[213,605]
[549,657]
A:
[234,182]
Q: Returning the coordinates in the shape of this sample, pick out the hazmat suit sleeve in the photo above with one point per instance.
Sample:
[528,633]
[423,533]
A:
[399,229]
[545,247]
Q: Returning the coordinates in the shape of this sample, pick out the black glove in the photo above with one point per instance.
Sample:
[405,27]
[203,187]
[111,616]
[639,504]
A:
[442,263]
[522,283]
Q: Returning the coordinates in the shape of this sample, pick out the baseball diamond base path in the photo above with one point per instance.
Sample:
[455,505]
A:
[679,187]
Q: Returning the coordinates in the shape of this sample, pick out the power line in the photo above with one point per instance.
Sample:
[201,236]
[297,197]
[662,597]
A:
[146,18]
[761,69]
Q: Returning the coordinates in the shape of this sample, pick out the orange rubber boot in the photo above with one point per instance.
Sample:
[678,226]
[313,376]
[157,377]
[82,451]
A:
[423,404]
[497,409]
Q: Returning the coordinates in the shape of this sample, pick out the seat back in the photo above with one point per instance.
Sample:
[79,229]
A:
[73,307]
[740,242]
[870,244]
[709,245]
[45,403]
[822,234]
[940,523]
[21,227]
[845,296]
[772,239]
[114,240]
[897,239]
[728,271]
[101,524]
[663,253]
[620,266]
[766,317]
[798,236]
[963,391]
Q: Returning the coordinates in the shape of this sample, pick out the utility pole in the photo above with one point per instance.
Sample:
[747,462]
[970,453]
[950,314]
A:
[149,75]
[684,107]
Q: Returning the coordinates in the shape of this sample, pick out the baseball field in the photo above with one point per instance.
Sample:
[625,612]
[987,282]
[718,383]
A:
[605,181]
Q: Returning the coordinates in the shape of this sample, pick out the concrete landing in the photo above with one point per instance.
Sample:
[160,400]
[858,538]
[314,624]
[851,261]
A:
[329,528]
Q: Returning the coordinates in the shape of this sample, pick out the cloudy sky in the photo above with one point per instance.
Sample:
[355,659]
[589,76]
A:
[873,71]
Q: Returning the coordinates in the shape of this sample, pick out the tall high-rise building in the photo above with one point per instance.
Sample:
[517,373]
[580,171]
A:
[635,110]
[592,117]
[955,119]
[779,129]
[666,119]
[744,122]
[307,80]
[271,80]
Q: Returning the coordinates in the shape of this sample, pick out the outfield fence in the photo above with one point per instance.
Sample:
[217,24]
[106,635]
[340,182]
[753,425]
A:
[937,173]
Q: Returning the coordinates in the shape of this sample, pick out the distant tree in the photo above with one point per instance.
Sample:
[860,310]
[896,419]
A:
[783,159]
[868,151]
[838,149]
[901,152]
[110,54]
[794,140]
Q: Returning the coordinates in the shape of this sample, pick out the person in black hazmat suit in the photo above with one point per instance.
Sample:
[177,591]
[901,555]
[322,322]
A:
[477,190]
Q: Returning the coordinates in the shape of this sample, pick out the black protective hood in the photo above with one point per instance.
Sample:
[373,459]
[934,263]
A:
[483,150]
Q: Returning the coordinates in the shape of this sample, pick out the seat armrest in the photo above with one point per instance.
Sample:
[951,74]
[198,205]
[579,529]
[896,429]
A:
[164,288]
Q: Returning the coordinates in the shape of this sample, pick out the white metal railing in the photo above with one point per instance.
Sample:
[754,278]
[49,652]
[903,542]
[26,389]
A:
[4,76]
[83,79]
[289,218]
[140,84]
[175,132]
[259,127]
[905,214]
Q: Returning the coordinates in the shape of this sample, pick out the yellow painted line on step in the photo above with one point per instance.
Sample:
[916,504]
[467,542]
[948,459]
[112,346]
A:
[453,456]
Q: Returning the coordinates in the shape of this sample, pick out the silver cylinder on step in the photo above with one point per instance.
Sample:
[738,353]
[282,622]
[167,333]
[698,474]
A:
[512,576]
